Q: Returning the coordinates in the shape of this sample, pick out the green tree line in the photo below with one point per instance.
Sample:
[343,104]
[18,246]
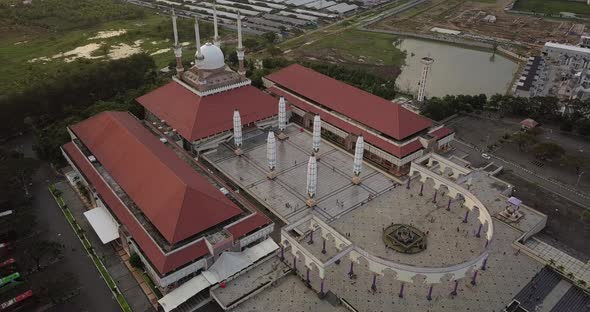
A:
[61,15]
[571,115]
[73,95]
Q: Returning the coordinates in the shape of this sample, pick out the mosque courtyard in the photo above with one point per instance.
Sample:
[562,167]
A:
[355,217]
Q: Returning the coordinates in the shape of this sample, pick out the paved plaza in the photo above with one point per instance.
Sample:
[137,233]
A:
[286,194]
[449,240]
[506,273]
[361,212]
[288,295]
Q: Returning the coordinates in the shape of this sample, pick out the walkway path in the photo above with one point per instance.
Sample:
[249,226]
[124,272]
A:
[109,256]
[570,264]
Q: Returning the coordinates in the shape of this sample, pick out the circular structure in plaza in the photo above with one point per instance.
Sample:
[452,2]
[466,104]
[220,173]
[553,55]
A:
[404,238]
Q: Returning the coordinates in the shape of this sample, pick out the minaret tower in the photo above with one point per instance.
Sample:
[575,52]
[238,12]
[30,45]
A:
[427,61]
[271,154]
[312,180]
[216,34]
[282,118]
[358,160]
[177,48]
[240,49]
[317,134]
[198,54]
[237,132]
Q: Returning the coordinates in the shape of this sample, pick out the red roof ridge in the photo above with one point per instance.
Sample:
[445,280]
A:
[389,118]
[196,117]
[162,261]
[174,197]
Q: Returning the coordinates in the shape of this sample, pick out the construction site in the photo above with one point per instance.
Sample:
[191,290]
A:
[483,21]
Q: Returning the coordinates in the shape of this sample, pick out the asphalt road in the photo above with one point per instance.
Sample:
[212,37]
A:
[94,293]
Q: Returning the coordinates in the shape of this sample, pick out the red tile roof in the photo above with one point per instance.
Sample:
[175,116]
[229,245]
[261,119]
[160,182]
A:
[163,263]
[441,133]
[175,198]
[398,151]
[529,123]
[375,112]
[248,225]
[196,117]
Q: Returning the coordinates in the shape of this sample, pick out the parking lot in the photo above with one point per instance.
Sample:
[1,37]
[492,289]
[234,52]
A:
[534,179]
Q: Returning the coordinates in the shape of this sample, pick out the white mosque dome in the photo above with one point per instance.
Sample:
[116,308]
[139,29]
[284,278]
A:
[212,57]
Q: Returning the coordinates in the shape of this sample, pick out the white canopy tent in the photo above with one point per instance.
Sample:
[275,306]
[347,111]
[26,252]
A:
[228,264]
[183,293]
[103,224]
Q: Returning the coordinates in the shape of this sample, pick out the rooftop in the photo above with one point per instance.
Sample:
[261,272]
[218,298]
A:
[566,47]
[377,113]
[196,117]
[177,200]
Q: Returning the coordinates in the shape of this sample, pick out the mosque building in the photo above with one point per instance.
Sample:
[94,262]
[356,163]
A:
[150,197]
[155,194]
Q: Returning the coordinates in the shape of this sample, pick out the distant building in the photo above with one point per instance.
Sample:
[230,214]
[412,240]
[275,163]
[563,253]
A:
[528,124]
[489,18]
[577,57]
[532,80]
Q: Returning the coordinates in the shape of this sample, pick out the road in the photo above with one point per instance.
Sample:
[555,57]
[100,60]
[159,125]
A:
[94,293]
[530,176]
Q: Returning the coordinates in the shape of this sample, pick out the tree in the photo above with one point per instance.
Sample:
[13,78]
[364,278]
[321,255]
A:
[135,261]
[548,151]
[577,161]
[77,86]
[523,140]
[270,37]
[274,51]
[41,249]
[251,44]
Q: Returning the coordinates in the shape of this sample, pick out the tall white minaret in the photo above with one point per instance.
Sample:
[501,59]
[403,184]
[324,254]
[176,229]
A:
[282,118]
[358,160]
[240,49]
[312,180]
[317,133]
[237,132]
[177,47]
[198,54]
[271,154]
[427,61]
[216,34]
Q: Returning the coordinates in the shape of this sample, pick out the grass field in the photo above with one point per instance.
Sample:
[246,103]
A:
[358,47]
[30,52]
[552,6]
[25,61]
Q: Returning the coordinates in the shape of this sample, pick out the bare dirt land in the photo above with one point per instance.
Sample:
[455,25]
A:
[472,17]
